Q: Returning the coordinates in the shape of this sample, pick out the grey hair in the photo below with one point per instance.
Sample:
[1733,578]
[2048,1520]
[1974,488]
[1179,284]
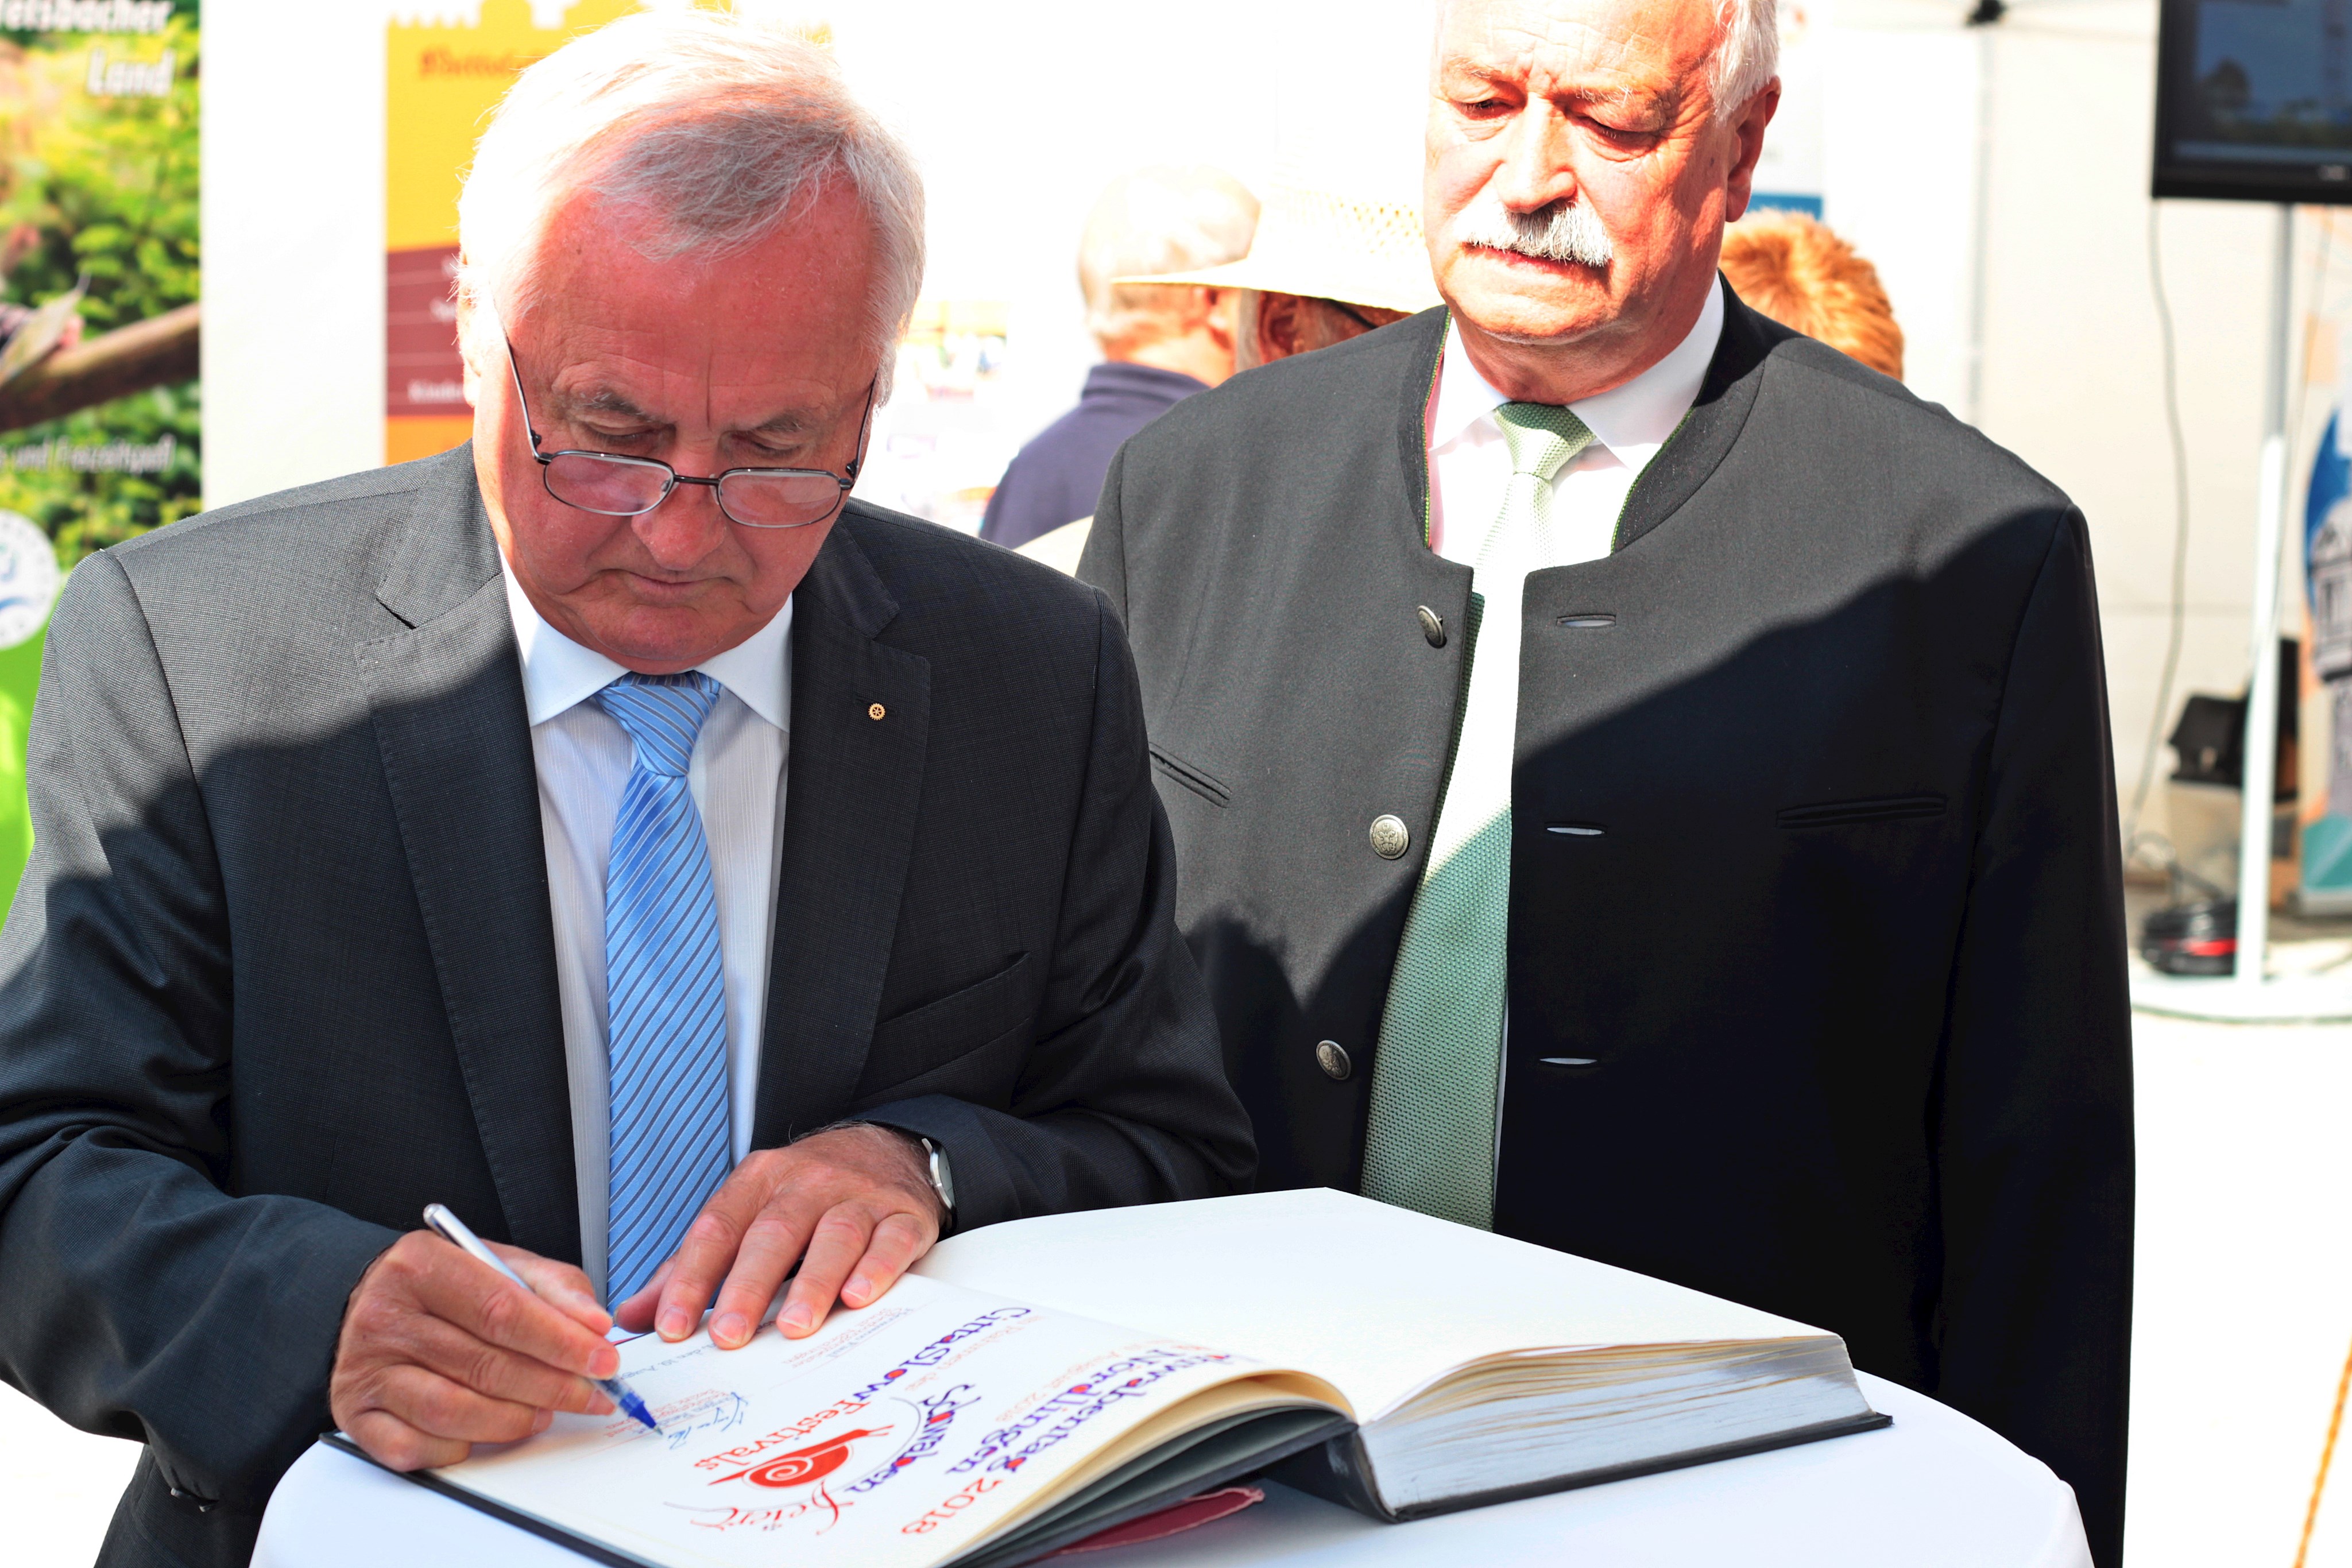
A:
[1747,55]
[1162,219]
[712,131]
[1747,52]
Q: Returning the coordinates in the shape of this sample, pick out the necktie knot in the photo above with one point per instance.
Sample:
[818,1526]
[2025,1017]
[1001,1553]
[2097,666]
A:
[1542,437]
[663,713]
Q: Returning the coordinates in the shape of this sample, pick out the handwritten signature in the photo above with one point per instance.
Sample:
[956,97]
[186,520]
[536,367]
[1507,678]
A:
[819,1504]
[713,1410]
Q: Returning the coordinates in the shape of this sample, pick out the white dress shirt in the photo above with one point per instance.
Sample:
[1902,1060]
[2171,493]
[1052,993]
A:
[1469,466]
[737,779]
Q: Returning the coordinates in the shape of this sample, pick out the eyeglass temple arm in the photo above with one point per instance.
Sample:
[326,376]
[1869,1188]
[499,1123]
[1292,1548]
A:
[864,429]
[521,402]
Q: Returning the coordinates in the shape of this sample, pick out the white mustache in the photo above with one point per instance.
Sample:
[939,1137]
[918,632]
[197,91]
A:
[1564,231]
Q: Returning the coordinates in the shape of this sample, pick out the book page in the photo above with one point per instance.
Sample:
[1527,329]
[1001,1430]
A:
[1378,1300]
[896,1437]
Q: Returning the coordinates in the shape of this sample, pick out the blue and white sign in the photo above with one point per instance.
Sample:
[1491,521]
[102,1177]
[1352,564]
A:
[28,579]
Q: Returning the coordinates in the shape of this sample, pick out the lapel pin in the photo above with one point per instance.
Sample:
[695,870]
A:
[874,712]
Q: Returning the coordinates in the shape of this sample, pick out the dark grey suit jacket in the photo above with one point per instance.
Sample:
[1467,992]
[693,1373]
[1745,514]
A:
[1816,953]
[282,970]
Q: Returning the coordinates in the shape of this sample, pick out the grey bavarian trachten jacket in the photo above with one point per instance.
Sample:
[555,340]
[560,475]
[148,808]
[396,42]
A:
[1816,954]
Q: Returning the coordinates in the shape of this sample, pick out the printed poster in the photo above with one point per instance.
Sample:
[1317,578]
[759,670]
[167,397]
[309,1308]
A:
[2324,883]
[99,416]
[443,78]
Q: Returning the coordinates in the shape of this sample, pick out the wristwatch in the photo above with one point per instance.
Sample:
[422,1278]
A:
[942,1179]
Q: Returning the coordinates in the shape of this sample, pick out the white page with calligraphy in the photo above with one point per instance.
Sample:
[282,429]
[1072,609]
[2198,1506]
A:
[896,1437]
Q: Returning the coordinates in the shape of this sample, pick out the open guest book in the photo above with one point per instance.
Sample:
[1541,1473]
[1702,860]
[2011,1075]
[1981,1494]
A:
[1036,1384]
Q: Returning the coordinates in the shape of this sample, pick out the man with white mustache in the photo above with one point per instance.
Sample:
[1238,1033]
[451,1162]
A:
[1640,779]
[1564,231]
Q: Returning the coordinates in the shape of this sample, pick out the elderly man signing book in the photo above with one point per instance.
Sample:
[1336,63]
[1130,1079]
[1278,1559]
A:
[602,830]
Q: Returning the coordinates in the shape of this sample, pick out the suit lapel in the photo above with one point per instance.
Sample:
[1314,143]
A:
[1423,338]
[1703,439]
[851,789]
[454,734]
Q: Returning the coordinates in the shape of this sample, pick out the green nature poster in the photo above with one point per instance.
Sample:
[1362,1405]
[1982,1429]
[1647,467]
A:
[100,435]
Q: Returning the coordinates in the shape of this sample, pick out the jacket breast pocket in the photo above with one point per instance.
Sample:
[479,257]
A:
[1876,809]
[924,1039]
[1194,776]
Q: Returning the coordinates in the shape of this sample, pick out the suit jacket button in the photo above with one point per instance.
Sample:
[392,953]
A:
[1332,1059]
[1432,626]
[1391,837]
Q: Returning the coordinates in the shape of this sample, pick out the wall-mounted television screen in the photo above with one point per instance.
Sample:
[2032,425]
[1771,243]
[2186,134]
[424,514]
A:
[2254,100]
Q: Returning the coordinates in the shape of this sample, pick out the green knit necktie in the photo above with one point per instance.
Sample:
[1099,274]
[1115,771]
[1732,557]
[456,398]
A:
[1437,1076]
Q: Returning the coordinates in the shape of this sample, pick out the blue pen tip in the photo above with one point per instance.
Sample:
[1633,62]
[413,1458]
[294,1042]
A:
[636,1408]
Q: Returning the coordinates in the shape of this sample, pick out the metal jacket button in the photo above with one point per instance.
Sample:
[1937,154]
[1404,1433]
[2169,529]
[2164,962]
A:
[1332,1059]
[1432,626]
[1391,837]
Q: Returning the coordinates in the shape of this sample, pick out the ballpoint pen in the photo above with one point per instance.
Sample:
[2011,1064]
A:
[454,1231]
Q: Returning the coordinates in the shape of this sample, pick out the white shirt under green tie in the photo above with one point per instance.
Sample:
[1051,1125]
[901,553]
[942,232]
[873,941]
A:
[1510,493]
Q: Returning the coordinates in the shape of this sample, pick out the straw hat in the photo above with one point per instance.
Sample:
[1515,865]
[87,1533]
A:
[1327,244]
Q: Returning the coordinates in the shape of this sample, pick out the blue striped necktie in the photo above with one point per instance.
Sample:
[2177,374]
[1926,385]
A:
[666,1005]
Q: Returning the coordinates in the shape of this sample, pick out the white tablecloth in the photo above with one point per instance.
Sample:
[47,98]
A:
[1933,1490]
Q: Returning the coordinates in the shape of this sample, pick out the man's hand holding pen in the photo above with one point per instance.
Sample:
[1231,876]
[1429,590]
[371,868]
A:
[437,1352]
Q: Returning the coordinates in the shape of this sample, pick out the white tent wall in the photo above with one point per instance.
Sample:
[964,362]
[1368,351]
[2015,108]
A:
[1899,178]
[293,245]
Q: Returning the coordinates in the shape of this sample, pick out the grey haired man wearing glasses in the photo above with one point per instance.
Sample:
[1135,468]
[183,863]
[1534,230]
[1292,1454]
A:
[610,829]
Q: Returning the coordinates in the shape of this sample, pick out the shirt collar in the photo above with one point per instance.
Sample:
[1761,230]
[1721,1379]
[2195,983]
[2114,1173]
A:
[558,673]
[1631,421]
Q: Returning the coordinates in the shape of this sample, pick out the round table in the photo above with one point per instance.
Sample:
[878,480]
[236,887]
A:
[1935,1488]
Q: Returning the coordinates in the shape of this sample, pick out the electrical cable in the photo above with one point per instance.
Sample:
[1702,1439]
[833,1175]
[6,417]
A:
[2326,1456]
[2179,609]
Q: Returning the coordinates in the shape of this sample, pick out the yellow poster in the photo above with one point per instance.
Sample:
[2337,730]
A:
[443,81]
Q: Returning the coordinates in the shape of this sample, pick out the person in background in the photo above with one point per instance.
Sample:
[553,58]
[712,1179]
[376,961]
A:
[1326,264]
[1325,267]
[1161,343]
[1641,779]
[1797,270]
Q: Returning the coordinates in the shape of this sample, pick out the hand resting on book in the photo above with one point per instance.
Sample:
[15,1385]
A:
[853,1205]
